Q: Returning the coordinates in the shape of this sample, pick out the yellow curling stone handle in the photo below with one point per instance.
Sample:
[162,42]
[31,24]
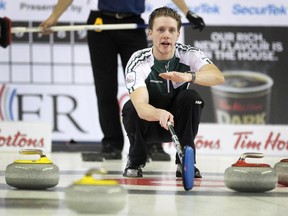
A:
[42,160]
[89,180]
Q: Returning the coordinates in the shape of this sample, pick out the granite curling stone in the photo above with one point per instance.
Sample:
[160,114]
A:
[250,177]
[95,196]
[282,171]
[32,174]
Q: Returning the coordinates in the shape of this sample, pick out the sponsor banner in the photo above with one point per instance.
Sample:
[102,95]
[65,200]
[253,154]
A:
[25,135]
[232,12]
[35,10]
[71,111]
[254,59]
[218,139]
[63,108]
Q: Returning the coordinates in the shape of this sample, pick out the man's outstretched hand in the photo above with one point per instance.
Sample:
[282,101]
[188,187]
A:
[196,21]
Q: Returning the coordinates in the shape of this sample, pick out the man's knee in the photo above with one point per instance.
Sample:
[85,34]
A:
[190,97]
[129,115]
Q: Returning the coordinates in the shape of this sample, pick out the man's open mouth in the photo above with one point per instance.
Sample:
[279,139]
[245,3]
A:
[165,43]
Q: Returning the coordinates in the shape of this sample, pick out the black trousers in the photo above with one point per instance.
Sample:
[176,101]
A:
[104,48]
[186,110]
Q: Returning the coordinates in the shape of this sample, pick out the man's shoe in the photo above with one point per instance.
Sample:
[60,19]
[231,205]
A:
[113,155]
[179,171]
[197,173]
[92,156]
[110,153]
[133,171]
[105,154]
[156,153]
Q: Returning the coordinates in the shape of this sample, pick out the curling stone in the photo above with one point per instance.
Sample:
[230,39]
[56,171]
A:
[95,196]
[250,177]
[32,174]
[282,171]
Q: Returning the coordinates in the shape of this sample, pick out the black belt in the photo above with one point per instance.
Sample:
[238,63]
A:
[118,15]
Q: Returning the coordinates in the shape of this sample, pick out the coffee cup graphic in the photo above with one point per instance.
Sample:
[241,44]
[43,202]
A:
[244,98]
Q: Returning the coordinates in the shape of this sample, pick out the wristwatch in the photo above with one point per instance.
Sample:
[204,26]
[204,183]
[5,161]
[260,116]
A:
[193,76]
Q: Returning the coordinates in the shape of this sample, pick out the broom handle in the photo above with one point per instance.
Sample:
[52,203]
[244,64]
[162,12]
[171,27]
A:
[79,27]
[83,27]
[176,141]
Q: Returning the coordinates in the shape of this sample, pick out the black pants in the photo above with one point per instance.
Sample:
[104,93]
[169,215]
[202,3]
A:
[104,48]
[186,110]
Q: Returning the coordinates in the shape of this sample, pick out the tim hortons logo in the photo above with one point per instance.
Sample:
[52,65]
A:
[20,140]
[202,143]
[274,141]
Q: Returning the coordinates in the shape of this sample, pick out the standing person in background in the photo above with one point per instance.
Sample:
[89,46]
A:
[158,79]
[104,48]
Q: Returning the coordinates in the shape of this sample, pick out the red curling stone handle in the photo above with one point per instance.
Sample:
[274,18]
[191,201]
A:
[241,162]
